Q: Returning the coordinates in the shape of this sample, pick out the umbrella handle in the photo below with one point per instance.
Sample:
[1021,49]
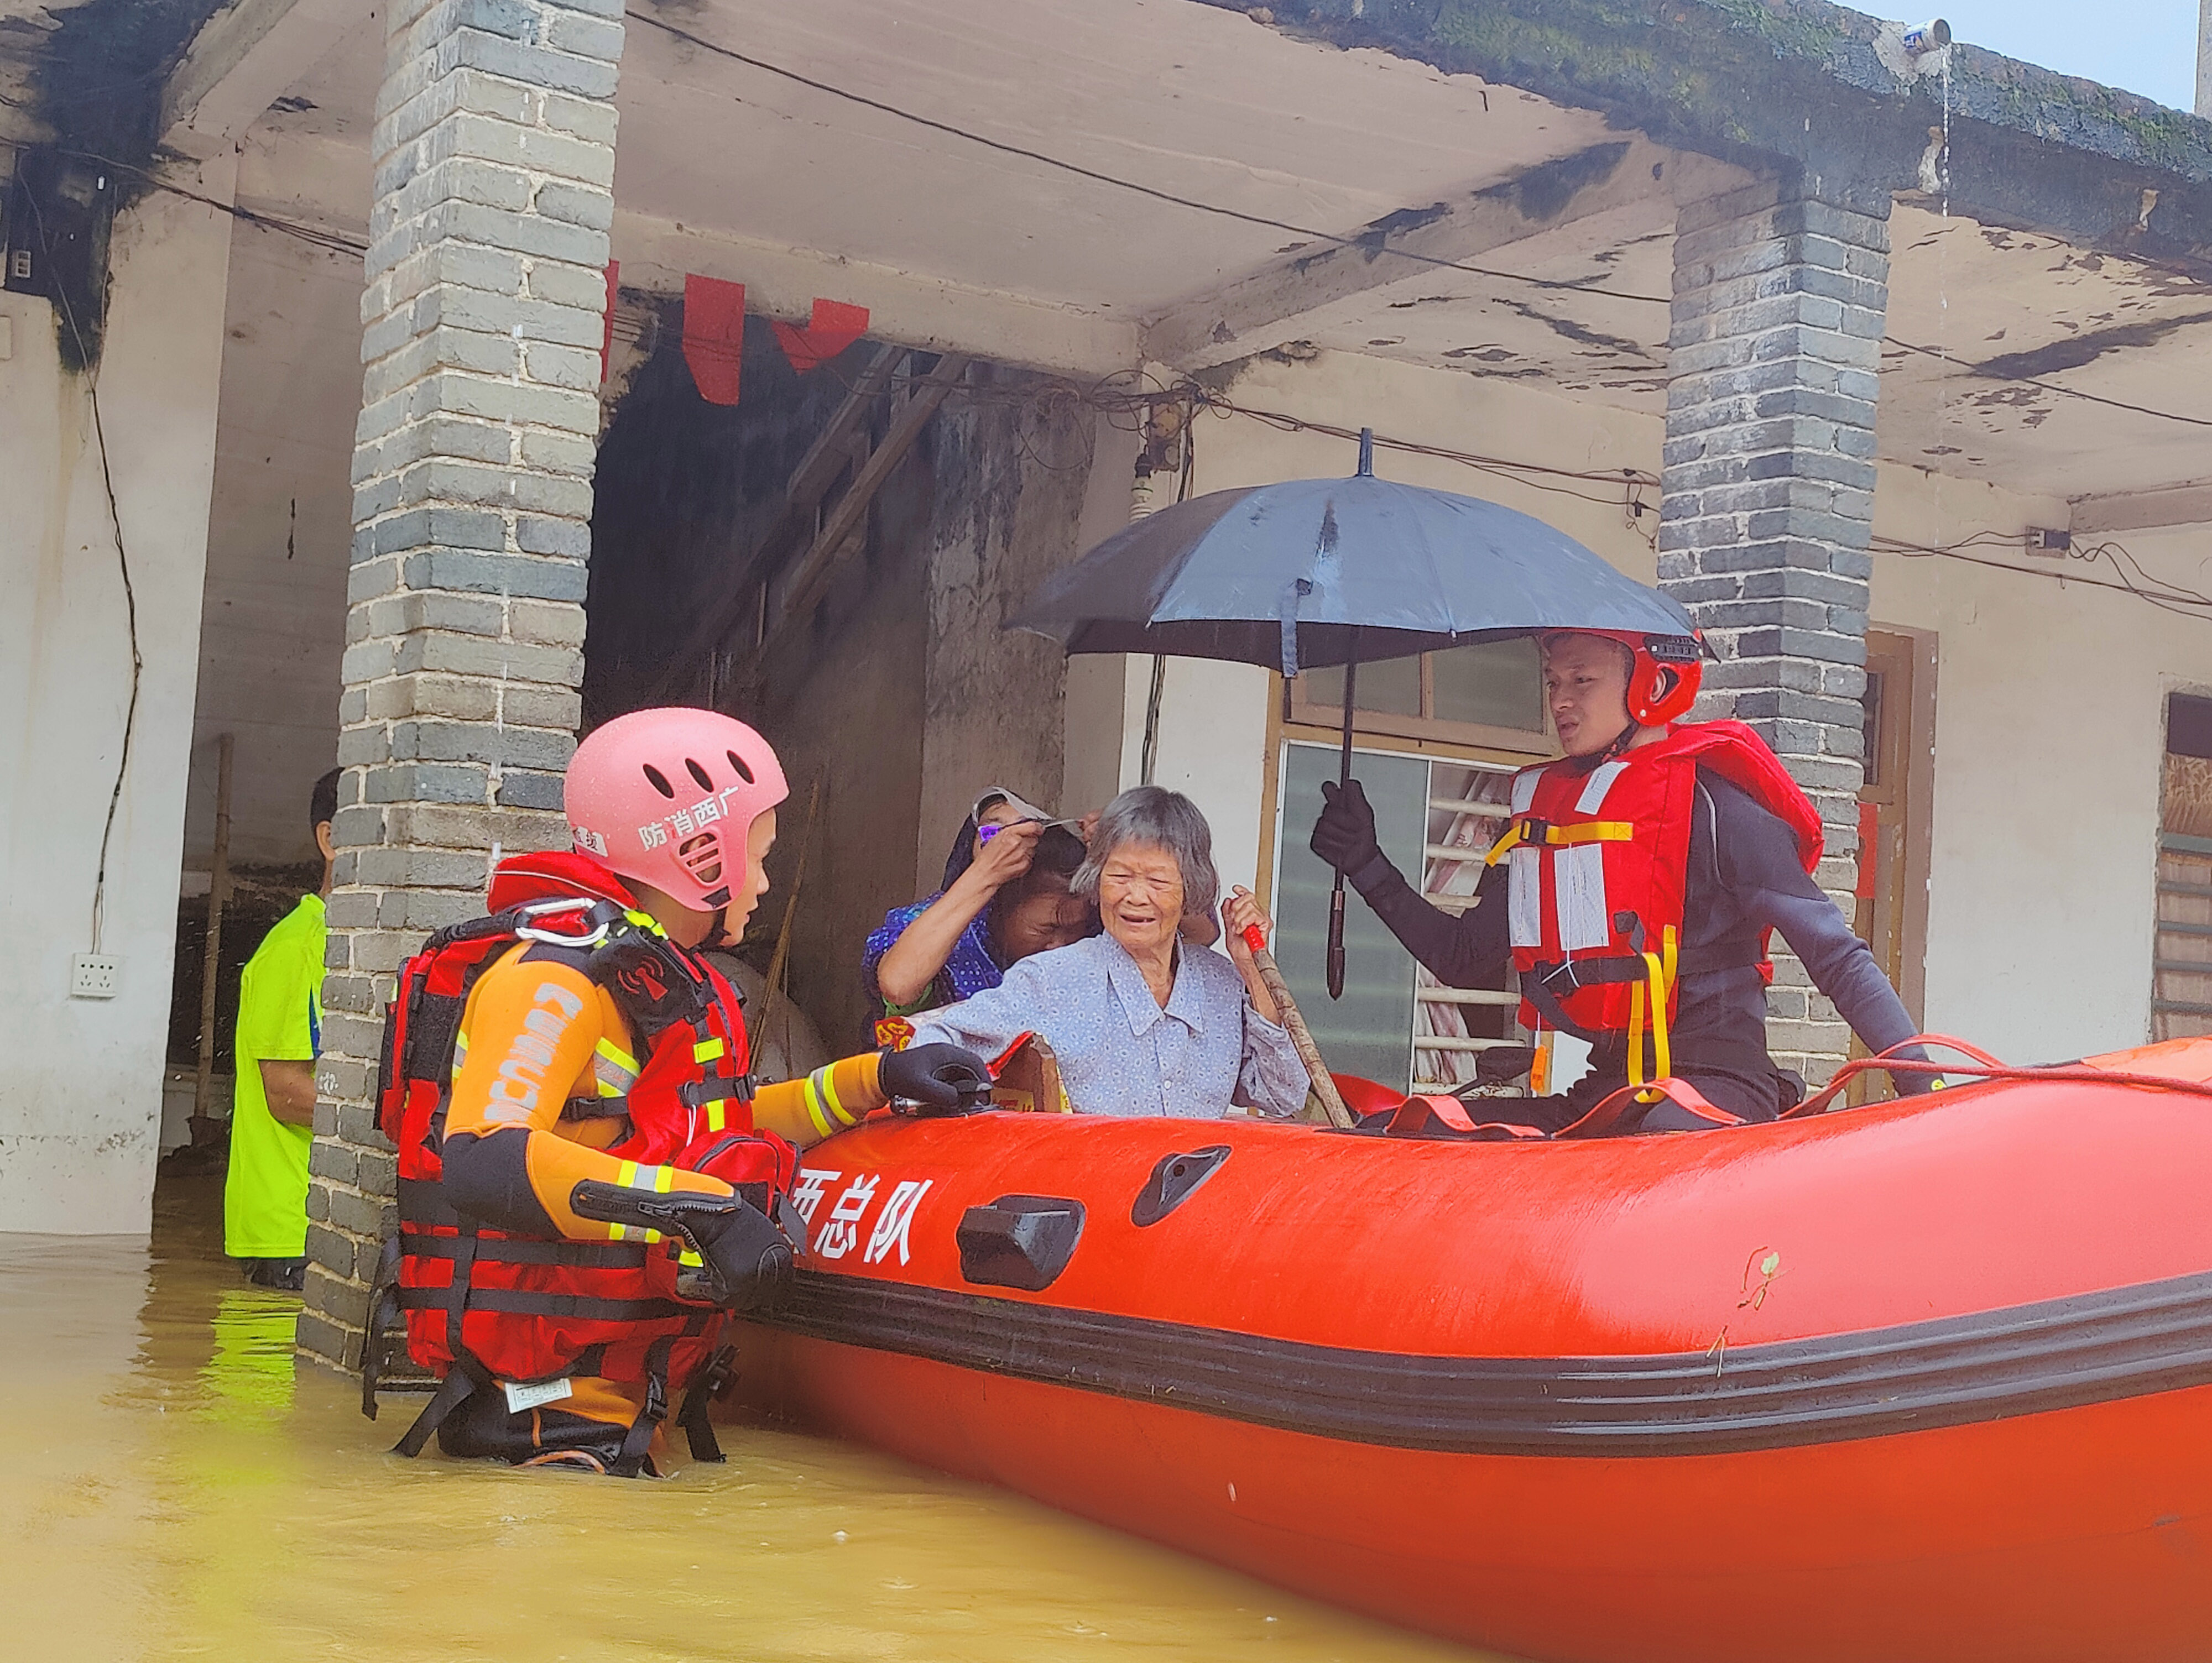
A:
[1336,939]
[1271,977]
[1344,783]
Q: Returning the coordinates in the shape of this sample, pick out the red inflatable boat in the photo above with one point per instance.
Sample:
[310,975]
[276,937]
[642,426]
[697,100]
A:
[1930,1380]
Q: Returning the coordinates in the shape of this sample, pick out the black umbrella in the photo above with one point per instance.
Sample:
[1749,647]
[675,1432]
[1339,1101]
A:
[1313,572]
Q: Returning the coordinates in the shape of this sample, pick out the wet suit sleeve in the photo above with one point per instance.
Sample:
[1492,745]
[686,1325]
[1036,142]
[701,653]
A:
[819,1105]
[1757,858]
[1467,951]
[533,1027]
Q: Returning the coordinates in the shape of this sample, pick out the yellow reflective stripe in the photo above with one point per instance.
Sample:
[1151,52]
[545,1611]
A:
[828,1077]
[707,1051]
[627,1178]
[615,1054]
[814,1108]
[715,1120]
[663,1179]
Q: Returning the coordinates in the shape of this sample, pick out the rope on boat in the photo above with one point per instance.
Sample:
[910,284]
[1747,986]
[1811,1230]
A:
[1982,1067]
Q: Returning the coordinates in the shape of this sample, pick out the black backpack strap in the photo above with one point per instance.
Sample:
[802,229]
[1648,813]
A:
[461,1383]
[631,1462]
[697,1416]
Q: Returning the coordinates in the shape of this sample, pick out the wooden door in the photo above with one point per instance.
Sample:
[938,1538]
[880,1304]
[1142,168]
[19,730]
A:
[1892,836]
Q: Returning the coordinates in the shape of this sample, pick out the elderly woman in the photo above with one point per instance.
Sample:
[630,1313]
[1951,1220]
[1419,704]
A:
[1144,1022]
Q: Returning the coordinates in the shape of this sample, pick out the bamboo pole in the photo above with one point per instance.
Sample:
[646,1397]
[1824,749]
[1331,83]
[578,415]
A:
[1271,977]
[211,950]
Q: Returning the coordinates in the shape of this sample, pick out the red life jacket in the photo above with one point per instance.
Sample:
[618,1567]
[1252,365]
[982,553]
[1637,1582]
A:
[1598,870]
[500,1306]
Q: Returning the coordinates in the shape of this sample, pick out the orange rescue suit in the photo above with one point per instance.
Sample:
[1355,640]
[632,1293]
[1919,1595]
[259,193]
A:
[580,1325]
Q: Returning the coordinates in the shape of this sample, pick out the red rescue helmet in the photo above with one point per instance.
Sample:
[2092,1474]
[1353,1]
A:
[666,796]
[1664,671]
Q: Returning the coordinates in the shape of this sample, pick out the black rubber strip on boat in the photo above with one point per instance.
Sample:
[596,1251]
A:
[2060,1354]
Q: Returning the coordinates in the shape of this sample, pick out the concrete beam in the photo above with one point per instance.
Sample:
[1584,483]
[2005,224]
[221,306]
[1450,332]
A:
[1807,87]
[240,63]
[1263,310]
[2142,511]
[912,310]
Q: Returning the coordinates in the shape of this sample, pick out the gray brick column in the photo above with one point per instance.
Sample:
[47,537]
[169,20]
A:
[1774,352]
[494,152]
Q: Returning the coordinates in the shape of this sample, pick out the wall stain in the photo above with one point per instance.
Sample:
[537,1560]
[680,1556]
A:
[2087,347]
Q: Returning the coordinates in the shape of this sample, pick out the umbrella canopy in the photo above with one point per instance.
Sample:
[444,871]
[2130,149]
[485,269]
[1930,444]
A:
[1313,572]
[1227,575]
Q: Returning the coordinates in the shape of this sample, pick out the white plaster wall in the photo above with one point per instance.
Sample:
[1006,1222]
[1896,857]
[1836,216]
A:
[80,1097]
[273,627]
[1096,694]
[2049,740]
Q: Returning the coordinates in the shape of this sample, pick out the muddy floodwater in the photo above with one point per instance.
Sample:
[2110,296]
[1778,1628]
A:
[176,1487]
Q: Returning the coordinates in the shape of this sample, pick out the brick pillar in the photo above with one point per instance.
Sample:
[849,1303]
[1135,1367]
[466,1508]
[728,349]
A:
[1774,352]
[482,320]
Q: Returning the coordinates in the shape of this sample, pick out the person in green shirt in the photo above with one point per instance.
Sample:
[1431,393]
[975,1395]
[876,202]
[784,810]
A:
[272,1117]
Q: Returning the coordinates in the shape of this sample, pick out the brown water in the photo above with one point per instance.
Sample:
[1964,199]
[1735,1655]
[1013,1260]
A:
[175,1487]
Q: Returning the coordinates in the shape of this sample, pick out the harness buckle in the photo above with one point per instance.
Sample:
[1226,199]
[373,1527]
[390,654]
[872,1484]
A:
[526,927]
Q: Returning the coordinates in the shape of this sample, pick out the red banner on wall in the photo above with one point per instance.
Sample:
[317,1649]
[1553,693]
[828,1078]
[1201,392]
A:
[834,327]
[714,335]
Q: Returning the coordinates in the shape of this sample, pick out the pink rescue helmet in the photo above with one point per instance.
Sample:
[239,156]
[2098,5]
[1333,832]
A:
[666,796]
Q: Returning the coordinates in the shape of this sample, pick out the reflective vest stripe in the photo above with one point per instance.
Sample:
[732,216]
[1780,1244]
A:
[614,1068]
[817,1111]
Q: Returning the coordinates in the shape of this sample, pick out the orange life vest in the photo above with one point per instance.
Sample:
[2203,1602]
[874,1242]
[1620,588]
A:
[499,1306]
[1598,863]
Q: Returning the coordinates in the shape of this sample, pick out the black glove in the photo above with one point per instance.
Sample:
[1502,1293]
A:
[1344,835]
[936,1079]
[745,1261]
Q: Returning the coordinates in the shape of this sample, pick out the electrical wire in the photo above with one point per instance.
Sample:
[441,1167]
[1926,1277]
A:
[336,242]
[123,562]
[2177,598]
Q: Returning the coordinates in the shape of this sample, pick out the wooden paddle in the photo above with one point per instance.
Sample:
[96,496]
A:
[1309,1052]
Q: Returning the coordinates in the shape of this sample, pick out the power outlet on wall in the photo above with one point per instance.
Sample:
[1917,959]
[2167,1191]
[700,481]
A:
[95,976]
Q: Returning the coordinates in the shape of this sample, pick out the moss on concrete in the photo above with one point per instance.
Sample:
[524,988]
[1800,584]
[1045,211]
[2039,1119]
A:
[1796,85]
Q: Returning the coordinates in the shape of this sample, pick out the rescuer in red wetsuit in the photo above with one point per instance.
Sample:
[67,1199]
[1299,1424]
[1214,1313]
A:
[605,1183]
[1635,891]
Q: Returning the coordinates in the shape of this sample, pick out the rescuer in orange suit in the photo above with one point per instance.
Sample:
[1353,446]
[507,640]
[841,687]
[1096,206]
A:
[1643,873]
[598,1097]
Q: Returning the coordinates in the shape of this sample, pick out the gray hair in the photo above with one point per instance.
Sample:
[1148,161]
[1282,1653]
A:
[1165,819]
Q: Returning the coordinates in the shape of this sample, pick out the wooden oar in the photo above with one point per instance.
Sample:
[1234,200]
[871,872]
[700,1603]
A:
[1309,1052]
